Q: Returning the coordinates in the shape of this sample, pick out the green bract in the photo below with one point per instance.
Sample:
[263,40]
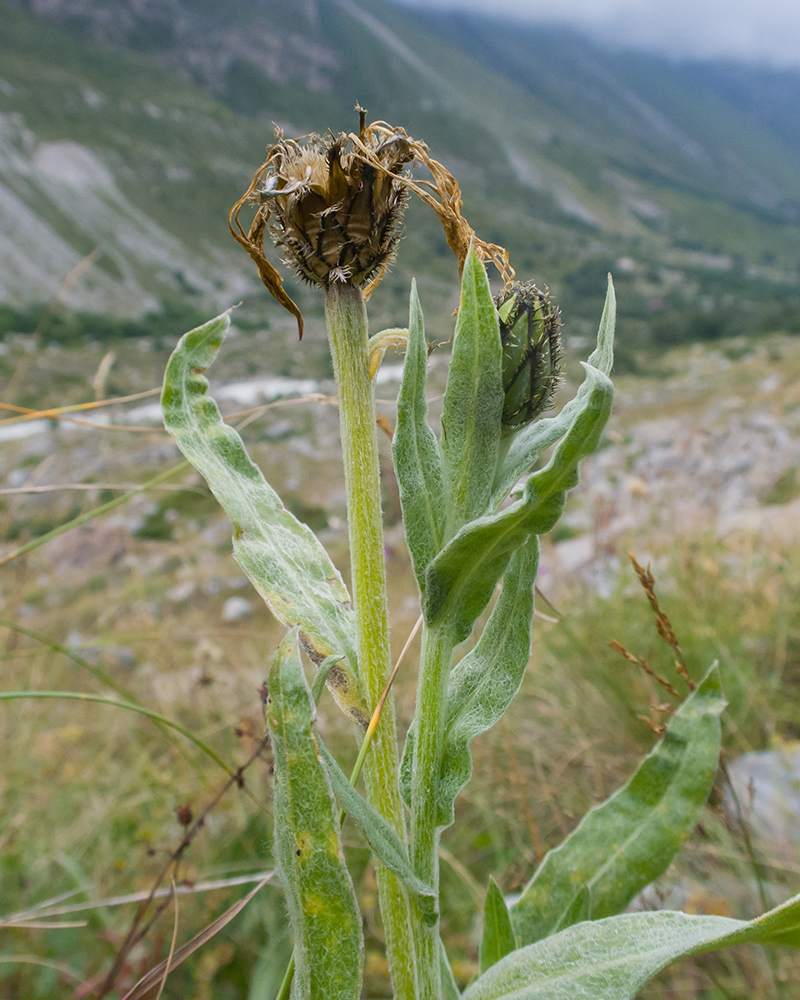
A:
[530,334]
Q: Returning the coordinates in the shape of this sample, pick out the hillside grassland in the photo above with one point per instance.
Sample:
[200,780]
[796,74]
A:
[123,144]
[91,792]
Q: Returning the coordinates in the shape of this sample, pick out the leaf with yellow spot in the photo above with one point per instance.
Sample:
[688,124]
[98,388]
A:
[319,891]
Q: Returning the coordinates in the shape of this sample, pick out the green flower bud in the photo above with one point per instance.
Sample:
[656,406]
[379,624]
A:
[530,333]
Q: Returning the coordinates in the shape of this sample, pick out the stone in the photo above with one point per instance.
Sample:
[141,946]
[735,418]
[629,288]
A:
[767,785]
[236,609]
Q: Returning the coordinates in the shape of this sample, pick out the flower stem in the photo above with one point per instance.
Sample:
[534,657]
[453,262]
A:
[346,317]
[434,668]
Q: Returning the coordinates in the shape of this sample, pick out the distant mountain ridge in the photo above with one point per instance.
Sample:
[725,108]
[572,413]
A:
[132,126]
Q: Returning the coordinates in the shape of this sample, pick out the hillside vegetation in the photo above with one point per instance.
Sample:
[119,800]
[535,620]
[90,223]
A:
[130,132]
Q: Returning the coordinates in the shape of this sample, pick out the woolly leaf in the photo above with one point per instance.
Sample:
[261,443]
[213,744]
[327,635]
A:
[283,558]
[417,460]
[461,579]
[328,943]
[623,844]
[611,959]
[473,401]
[497,939]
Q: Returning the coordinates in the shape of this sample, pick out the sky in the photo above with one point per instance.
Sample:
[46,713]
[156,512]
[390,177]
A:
[763,31]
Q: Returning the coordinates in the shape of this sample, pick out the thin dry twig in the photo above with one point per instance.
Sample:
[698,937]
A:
[48,908]
[60,967]
[138,930]
[168,963]
[57,487]
[147,982]
[26,413]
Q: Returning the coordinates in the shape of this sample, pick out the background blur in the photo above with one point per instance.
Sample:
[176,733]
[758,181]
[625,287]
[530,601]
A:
[663,149]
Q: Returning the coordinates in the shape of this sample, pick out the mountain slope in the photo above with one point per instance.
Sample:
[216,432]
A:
[135,129]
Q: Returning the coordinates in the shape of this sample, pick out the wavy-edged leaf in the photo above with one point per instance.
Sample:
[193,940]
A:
[484,682]
[623,844]
[520,451]
[378,833]
[283,558]
[497,939]
[324,914]
[473,400]
[417,459]
[611,959]
[461,579]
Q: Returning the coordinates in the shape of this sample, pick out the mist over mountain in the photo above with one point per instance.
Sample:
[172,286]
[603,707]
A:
[130,128]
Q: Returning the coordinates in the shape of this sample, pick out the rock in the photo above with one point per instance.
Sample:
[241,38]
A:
[181,592]
[236,609]
[767,785]
[99,543]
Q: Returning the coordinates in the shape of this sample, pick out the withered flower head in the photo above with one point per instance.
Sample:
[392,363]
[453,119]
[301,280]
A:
[332,209]
[333,205]
[530,333]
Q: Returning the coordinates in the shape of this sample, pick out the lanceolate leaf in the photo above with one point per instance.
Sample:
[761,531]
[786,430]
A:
[379,834]
[328,944]
[473,401]
[520,451]
[611,959]
[461,579]
[484,682]
[417,461]
[622,845]
[282,557]
[450,989]
[497,939]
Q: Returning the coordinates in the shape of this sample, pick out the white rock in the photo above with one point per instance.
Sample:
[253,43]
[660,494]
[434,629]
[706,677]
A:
[236,609]
[767,784]
[181,592]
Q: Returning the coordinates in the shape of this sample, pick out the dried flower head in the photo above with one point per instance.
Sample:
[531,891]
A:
[333,204]
[530,331]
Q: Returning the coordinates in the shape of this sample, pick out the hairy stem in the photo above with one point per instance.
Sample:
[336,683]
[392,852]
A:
[347,334]
[434,668]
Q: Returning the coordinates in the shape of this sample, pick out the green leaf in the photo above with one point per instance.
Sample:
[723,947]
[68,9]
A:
[521,450]
[450,990]
[328,943]
[417,460]
[283,558]
[611,959]
[623,844]
[462,578]
[473,401]
[379,834]
[497,939]
[485,681]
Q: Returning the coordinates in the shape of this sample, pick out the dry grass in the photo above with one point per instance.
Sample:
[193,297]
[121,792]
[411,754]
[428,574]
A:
[90,794]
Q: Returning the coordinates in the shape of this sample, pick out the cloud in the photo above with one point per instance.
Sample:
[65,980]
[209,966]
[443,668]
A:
[766,32]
